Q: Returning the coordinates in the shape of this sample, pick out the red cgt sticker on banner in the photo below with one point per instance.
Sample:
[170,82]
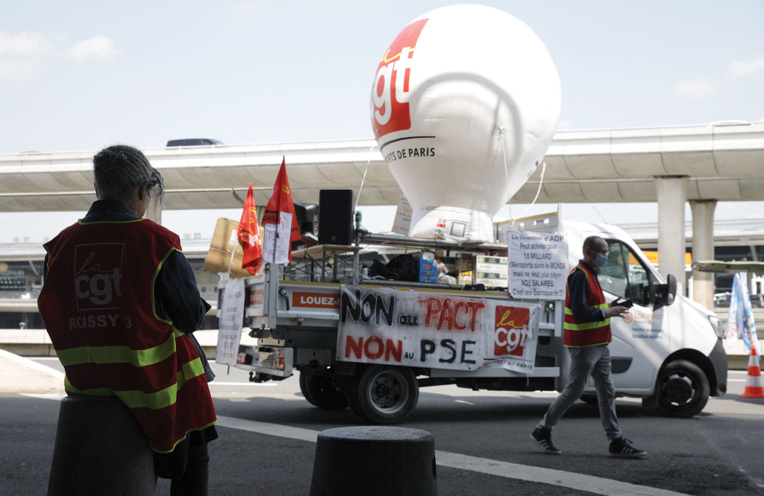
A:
[512,331]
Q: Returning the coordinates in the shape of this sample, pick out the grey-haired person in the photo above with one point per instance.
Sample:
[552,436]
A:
[120,304]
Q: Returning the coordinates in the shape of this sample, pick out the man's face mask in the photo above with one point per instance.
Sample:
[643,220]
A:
[601,259]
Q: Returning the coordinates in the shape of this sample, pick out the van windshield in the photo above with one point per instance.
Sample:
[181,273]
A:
[624,275]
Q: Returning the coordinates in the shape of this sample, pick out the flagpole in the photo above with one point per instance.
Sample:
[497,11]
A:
[230,263]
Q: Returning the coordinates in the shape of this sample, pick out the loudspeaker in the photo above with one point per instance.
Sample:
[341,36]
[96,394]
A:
[335,217]
[307,219]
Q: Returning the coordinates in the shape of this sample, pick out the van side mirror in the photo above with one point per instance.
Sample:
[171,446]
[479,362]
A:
[663,294]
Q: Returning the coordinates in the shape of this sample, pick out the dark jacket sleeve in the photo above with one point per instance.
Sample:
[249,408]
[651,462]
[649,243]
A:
[179,300]
[578,290]
[178,295]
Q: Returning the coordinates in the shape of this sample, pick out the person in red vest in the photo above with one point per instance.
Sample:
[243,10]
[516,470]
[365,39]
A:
[120,302]
[586,335]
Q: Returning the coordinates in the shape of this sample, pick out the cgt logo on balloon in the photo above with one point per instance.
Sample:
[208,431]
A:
[390,93]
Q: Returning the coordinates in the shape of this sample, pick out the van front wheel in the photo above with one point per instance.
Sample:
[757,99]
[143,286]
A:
[683,389]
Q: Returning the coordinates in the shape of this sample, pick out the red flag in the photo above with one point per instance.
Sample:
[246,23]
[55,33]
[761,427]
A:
[280,221]
[249,235]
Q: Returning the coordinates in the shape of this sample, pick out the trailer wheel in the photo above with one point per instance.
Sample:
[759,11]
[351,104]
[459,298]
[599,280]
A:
[383,395]
[304,387]
[319,391]
[683,389]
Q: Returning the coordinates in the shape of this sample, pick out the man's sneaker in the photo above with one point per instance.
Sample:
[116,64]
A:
[543,438]
[621,447]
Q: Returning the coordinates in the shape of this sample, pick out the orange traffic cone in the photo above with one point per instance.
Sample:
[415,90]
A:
[754,387]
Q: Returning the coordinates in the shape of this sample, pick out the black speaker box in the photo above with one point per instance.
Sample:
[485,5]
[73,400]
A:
[307,219]
[335,217]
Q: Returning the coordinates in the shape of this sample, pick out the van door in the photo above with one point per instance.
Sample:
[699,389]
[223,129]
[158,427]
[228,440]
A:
[639,338]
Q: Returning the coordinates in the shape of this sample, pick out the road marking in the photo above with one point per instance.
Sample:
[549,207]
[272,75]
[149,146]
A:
[549,476]
[587,483]
[256,384]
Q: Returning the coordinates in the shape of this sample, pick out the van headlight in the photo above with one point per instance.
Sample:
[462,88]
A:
[717,326]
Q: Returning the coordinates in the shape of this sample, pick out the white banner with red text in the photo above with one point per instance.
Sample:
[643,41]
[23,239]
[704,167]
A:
[435,330]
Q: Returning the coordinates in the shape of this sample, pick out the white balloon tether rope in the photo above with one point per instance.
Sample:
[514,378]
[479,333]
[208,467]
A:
[506,176]
[363,179]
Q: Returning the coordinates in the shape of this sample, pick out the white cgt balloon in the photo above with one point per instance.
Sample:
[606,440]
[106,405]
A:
[464,106]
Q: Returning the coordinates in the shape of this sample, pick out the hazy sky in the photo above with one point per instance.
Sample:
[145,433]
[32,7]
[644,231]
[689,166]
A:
[87,74]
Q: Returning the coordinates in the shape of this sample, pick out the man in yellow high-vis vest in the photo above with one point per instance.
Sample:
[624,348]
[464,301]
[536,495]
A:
[587,334]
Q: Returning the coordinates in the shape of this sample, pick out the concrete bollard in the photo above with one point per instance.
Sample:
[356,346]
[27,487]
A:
[100,449]
[374,461]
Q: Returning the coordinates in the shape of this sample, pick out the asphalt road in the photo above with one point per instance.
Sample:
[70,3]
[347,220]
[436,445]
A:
[717,453]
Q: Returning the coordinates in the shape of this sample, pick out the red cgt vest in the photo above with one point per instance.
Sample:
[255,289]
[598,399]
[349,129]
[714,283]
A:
[98,306]
[581,333]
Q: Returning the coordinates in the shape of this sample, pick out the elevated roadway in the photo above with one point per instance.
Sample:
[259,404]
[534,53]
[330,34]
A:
[670,166]
[719,162]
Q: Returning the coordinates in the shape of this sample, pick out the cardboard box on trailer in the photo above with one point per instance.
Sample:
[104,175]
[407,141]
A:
[224,245]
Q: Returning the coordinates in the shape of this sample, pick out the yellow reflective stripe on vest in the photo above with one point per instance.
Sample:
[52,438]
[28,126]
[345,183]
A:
[139,399]
[86,392]
[118,354]
[601,306]
[191,369]
[166,397]
[585,326]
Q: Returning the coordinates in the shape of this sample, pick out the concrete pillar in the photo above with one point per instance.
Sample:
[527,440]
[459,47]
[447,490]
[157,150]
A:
[374,461]
[671,194]
[100,449]
[154,211]
[703,249]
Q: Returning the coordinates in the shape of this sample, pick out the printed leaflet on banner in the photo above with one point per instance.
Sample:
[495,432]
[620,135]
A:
[231,320]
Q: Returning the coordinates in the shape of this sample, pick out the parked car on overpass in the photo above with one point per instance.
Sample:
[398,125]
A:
[193,142]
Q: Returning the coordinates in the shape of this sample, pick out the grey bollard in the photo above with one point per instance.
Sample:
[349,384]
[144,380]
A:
[100,449]
[374,461]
